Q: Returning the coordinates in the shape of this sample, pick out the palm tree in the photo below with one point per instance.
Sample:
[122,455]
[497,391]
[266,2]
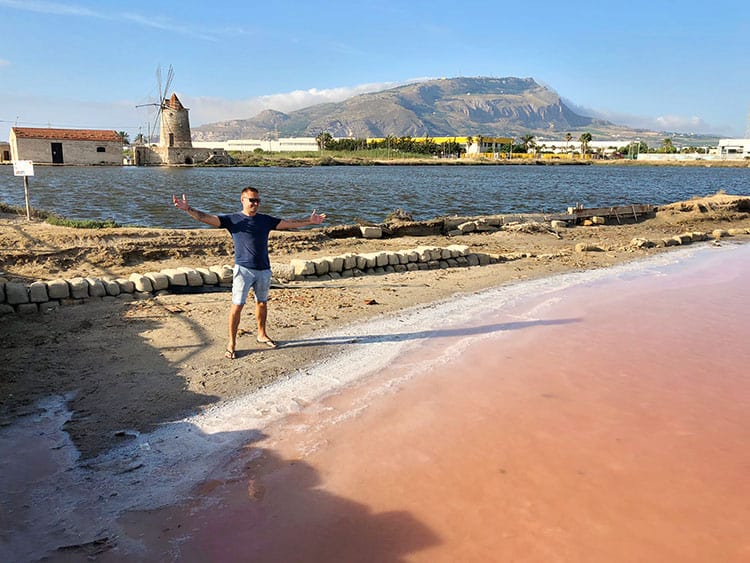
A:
[323,139]
[124,137]
[568,138]
[585,139]
[527,141]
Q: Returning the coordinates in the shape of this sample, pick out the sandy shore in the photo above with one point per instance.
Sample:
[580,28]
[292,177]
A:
[129,367]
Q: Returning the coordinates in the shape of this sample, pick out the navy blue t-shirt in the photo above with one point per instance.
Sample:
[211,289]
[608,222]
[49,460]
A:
[250,235]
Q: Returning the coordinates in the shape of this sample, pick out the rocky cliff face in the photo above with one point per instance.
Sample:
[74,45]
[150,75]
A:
[446,107]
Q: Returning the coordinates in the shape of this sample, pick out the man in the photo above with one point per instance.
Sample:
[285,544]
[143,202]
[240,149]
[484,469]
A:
[252,266]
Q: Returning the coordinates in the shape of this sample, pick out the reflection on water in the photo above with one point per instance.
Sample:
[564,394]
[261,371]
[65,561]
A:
[142,196]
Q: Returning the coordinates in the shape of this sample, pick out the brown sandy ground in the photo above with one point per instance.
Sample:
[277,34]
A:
[140,363]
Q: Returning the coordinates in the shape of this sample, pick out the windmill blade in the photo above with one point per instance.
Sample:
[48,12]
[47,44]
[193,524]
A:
[170,77]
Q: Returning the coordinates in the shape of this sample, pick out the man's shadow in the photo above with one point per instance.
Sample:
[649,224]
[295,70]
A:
[424,334]
[272,509]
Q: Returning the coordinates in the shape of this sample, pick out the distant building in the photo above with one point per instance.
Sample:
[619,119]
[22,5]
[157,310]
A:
[283,144]
[65,146]
[4,151]
[175,146]
[734,148]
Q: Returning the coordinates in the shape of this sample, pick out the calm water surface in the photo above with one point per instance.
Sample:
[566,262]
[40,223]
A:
[142,196]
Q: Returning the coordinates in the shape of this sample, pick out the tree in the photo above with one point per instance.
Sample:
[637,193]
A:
[527,141]
[568,138]
[667,146]
[124,137]
[323,139]
[585,139]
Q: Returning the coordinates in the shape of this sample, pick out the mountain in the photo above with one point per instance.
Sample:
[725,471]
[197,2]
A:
[500,107]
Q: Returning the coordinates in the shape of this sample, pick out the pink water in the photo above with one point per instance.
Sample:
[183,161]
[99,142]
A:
[611,425]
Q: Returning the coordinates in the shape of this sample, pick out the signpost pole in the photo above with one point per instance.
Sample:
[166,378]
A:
[26,195]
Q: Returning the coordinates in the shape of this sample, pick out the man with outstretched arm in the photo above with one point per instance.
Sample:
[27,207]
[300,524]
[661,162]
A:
[252,266]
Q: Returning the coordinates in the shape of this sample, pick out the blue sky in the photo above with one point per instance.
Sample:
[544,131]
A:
[672,66]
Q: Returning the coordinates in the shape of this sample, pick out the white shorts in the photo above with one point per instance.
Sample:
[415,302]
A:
[244,278]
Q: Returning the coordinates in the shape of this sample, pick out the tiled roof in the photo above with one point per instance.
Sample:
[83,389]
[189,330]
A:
[65,134]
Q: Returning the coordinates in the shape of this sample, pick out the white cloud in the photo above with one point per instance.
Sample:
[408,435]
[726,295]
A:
[148,20]
[667,123]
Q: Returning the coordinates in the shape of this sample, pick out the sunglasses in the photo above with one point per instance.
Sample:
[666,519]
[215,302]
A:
[253,200]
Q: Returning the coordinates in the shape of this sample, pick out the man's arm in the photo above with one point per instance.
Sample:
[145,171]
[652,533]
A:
[206,218]
[314,219]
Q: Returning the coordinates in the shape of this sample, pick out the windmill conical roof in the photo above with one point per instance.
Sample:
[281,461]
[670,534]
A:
[174,102]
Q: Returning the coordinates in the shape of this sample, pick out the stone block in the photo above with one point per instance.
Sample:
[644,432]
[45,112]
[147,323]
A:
[468,227]
[381,259]
[6,309]
[58,289]
[175,277]
[79,288]
[322,266]
[473,260]
[194,279]
[38,292]
[393,258]
[596,220]
[303,267]
[16,293]
[126,286]
[719,233]
[736,232]
[641,243]
[96,287]
[141,283]
[225,273]
[209,277]
[111,287]
[158,280]
[336,263]
[558,224]
[350,261]
[586,247]
[458,250]
[367,261]
[371,232]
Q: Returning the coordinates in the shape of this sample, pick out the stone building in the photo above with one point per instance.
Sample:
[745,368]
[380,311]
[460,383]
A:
[65,146]
[175,144]
[4,151]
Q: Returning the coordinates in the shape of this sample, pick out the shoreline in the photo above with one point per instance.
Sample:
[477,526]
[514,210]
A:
[130,367]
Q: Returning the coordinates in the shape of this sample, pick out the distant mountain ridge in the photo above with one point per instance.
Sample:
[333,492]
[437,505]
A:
[486,106]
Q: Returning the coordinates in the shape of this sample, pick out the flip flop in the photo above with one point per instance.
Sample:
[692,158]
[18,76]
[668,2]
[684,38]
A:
[270,343]
[230,354]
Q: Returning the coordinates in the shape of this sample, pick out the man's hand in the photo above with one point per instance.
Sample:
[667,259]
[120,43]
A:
[180,203]
[317,218]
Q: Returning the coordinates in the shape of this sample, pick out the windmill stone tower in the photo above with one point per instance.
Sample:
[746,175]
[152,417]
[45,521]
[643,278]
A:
[174,129]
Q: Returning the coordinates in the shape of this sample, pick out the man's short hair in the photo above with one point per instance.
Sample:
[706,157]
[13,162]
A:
[250,189]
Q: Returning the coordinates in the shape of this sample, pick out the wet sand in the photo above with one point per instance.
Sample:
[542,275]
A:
[600,417]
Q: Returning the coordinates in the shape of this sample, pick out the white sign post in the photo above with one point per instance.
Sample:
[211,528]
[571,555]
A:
[24,168]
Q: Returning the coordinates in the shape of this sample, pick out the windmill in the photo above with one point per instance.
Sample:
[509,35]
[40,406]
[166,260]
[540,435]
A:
[162,93]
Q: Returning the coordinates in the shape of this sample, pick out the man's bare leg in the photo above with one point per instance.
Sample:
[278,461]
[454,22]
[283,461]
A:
[261,313]
[235,314]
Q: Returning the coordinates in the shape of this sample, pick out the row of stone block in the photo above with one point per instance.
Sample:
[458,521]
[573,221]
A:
[49,295]
[386,261]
